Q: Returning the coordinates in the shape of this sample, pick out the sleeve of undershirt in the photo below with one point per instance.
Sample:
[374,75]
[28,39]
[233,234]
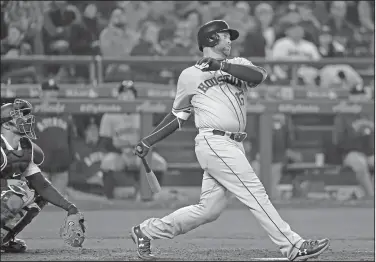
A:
[246,62]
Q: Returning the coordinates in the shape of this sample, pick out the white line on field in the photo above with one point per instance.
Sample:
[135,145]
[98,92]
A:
[269,259]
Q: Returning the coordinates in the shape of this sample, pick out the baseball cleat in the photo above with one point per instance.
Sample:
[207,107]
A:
[14,246]
[143,244]
[311,249]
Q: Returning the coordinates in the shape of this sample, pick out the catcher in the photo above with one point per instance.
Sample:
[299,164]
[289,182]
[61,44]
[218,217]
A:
[24,190]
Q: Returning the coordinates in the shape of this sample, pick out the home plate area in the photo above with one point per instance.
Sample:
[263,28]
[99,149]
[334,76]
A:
[236,235]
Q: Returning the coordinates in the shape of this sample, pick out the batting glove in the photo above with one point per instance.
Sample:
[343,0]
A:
[141,149]
[210,64]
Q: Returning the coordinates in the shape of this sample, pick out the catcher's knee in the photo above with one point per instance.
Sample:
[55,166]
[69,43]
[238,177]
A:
[10,203]
[20,221]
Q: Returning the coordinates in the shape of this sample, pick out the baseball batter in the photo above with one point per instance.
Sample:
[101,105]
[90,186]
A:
[215,91]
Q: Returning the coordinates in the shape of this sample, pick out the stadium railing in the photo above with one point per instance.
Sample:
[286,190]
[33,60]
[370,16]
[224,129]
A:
[97,64]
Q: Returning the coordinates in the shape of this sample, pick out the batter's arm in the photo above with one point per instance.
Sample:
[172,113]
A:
[244,70]
[181,111]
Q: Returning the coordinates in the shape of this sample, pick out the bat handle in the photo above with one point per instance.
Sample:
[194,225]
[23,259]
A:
[146,165]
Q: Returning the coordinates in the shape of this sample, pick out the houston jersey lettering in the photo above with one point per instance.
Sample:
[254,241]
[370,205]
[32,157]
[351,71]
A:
[218,99]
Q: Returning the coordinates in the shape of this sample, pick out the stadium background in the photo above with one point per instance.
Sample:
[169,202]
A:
[89,47]
[96,45]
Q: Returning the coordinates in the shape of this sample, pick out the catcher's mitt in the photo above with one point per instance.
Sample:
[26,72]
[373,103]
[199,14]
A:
[73,230]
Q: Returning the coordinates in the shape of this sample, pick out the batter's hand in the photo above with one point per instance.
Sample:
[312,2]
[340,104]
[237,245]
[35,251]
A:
[141,149]
[209,64]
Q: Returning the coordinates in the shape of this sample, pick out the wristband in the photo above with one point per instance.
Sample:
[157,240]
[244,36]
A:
[224,66]
[145,144]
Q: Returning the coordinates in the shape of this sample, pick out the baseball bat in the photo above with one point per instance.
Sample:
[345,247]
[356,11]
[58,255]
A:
[150,176]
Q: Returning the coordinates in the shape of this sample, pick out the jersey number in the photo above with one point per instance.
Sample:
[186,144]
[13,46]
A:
[240,97]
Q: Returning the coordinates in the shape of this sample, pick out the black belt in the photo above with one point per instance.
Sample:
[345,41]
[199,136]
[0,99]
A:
[238,137]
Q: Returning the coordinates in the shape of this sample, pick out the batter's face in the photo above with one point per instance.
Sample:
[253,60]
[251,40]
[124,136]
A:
[224,44]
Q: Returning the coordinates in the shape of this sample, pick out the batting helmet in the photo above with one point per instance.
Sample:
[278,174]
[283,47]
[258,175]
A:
[18,114]
[207,34]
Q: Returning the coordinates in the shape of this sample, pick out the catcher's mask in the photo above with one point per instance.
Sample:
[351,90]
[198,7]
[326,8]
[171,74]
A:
[18,114]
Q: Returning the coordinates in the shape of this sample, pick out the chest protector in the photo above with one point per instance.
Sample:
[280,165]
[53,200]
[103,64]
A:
[15,161]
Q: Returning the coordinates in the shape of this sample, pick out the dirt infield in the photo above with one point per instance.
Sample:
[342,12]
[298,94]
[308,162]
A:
[234,236]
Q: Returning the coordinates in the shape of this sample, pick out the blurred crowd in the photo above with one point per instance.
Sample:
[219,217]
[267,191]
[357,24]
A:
[268,29]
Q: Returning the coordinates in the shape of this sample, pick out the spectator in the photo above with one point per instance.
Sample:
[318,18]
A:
[119,134]
[264,14]
[354,140]
[88,154]
[327,46]
[212,10]
[105,9]
[117,41]
[321,10]
[254,44]
[27,16]
[359,13]
[260,38]
[340,75]
[309,22]
[162,12]
[194,21]
[366,14]
[56,134]
[85,34]
[362,40]
[84,38]
[56,32]
[13,46]
[148,46]
[184,7]
[183,45]
[239,17]
[136,12]
[343,31]
[4,22]
[293,47]
[166,37]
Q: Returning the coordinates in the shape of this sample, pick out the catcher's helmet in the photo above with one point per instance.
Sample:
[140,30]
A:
[207,34]
[18,114]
